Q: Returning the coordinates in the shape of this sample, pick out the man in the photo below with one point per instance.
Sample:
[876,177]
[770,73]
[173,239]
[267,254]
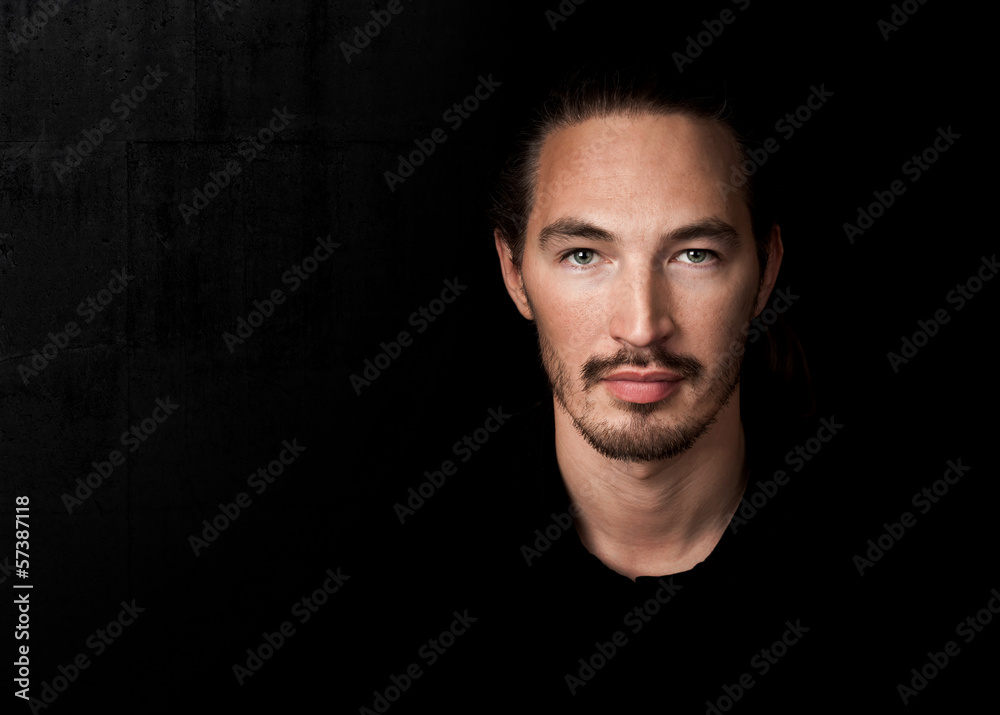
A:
[621,236]
[607,554]
[600,557]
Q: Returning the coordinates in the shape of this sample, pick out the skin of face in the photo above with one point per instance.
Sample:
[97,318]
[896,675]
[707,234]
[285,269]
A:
[636,272]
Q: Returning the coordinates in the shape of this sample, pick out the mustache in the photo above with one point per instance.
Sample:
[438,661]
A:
[596,368]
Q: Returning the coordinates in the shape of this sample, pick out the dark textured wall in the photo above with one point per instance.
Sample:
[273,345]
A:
[221,72]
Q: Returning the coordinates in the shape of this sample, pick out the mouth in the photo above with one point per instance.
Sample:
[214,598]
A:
[642,387]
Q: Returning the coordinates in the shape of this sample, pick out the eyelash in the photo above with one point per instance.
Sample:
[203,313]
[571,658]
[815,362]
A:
[567,254]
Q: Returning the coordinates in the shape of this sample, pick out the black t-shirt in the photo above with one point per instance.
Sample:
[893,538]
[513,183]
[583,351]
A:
[556,628]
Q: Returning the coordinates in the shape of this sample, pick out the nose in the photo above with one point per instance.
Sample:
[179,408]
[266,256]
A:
[641,308]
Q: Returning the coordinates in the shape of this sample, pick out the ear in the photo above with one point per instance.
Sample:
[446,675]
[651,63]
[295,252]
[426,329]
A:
[777,250]
[512,276]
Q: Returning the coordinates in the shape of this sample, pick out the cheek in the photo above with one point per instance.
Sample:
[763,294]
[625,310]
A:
[712,320]
[571,330]
[569,321]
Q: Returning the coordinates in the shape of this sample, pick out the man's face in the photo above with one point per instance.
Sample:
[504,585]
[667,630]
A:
[641,276]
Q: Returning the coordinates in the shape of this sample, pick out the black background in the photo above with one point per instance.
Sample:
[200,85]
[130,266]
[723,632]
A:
[324,175]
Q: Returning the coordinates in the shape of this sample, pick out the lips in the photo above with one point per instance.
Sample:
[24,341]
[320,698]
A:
[642,387]
[650,376]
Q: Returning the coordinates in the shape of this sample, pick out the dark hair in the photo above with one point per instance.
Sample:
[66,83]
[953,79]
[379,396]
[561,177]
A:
[588,94]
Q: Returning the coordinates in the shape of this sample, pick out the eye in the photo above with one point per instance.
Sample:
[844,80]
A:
[699,256]
[581,257]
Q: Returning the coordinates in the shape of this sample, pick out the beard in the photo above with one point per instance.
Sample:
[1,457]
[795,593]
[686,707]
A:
[644,437]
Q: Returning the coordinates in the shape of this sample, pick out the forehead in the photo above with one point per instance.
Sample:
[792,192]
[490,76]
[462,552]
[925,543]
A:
[634,171]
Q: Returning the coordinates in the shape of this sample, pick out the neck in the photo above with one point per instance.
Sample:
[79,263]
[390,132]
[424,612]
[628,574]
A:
[655,518]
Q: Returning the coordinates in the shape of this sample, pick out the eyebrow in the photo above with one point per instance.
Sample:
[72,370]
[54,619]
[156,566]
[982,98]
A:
[564,230]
